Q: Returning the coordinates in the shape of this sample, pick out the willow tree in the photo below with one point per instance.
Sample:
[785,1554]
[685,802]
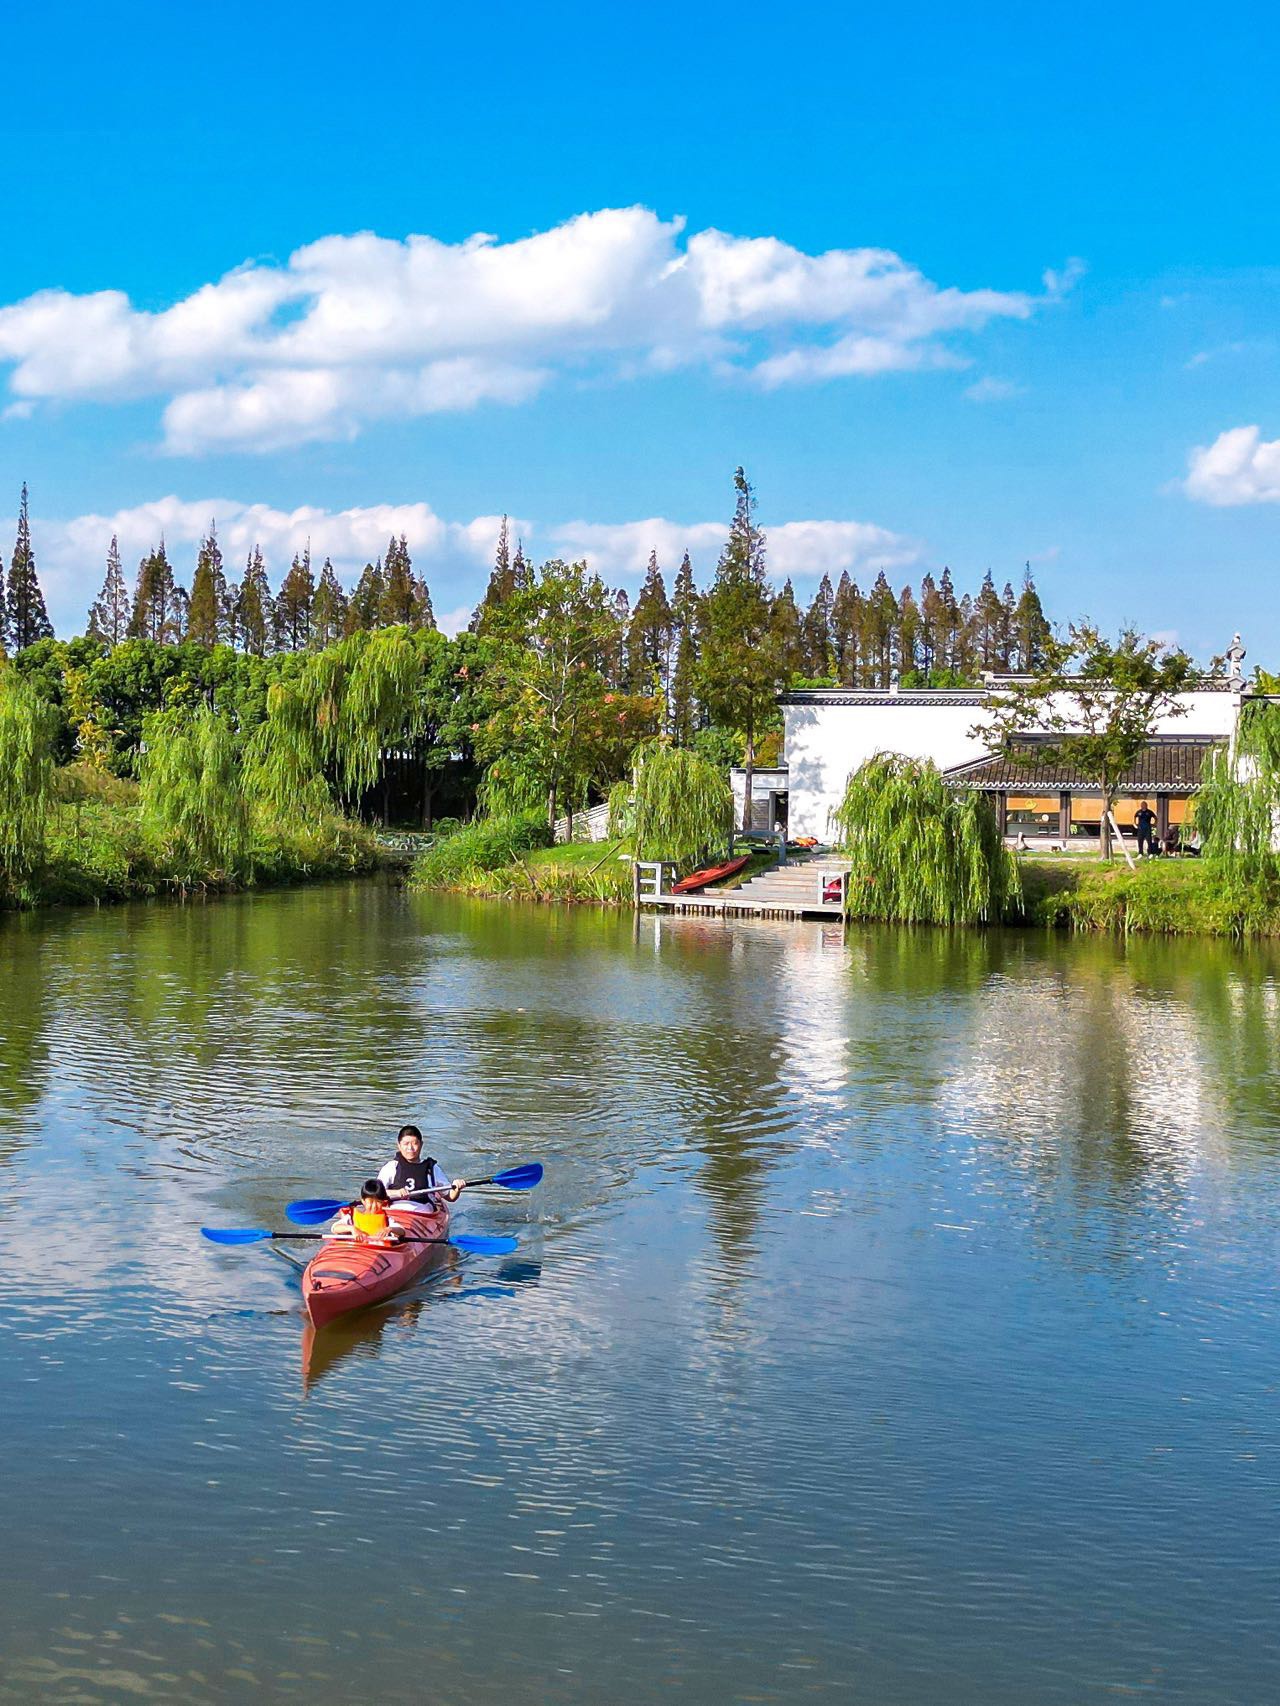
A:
[1238,808]
[28,730]
[193,794]
[331,720]
[379,704]
[283,768]
[676,806]
[921,851]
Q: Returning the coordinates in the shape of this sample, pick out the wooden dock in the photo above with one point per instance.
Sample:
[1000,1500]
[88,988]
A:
[806,888]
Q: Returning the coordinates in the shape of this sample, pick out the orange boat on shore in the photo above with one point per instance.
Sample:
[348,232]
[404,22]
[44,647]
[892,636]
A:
[713,874]
[346,1274]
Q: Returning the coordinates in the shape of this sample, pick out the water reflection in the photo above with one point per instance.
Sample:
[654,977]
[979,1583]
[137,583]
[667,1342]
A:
[897,1306]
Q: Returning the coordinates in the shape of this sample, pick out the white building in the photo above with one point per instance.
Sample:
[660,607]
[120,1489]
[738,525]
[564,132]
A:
[831,731]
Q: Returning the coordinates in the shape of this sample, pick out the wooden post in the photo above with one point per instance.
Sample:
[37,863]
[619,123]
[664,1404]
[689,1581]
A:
[1002,812]
[1064,818]
[1115,830]
[1162,819]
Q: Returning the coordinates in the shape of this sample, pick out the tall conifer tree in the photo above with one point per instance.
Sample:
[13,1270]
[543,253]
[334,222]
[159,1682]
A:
[879,633]
[159,603]
[1031,629]
[649,637]
[502,583]
[255,608]
[742,667]
[1008,629]
[26,619]
[294,604]
[328,609]
[788,632]
[816,631]
[109,613]
[521,569]
[846,630]
[206,618]
[987,617]
[929,642]
[364,607]
[950,653]
[907,638]
[426,616]
[682,705]
[399,601]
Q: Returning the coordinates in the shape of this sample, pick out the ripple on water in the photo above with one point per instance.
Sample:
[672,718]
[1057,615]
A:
[885,1321]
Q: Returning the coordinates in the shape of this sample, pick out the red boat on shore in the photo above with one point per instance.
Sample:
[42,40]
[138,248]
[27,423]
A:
[346,1274]
[712,874]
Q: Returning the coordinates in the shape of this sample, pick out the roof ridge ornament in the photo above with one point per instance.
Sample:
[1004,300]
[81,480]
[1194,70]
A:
[1234,656]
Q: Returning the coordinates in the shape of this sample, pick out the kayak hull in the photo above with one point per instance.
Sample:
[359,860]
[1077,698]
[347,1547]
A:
[713,874]
[344,1275]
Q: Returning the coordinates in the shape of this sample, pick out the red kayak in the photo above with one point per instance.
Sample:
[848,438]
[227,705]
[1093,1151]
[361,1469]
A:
[700,879]
[345,1274]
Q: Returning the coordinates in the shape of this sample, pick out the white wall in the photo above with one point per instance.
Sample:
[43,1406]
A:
[825,742]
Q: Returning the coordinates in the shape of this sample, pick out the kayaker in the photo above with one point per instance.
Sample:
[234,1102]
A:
[368,1219]
[412,1171]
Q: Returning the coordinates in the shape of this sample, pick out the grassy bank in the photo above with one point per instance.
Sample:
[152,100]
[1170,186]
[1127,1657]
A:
[585,873]
[1171,897]
[100,851]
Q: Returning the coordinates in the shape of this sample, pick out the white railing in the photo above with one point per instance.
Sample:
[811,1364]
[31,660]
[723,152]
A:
[590,825]
[648,879]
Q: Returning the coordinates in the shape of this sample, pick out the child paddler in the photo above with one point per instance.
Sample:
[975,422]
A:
[367,1220]
[412,1172]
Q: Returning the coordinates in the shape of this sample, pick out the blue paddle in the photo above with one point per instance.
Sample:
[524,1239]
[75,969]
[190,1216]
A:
[311,1211]
[476,1244]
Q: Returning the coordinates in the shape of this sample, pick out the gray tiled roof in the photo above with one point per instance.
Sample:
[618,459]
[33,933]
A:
[1167,765]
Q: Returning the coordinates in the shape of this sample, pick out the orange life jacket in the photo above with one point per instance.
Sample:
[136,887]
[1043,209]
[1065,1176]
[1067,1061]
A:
[373,1222]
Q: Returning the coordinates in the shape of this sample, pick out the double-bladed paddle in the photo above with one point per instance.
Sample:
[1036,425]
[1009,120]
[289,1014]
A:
[476,1244]
[311,1211]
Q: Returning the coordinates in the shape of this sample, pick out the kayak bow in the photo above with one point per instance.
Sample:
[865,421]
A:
[345,1274]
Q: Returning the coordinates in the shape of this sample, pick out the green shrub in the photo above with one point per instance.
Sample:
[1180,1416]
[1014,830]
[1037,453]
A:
[1192,897]
[485,845]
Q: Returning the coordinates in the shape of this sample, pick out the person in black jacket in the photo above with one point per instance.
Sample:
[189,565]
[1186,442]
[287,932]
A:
[1144,822]
[413,1172]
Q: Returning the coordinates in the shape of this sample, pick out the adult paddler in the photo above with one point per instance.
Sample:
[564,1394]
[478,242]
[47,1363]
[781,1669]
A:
[412,1172]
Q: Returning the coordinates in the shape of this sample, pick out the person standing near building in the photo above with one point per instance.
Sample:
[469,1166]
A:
[1144,822]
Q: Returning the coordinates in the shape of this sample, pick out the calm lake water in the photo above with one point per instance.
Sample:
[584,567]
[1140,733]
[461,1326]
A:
[896,1323]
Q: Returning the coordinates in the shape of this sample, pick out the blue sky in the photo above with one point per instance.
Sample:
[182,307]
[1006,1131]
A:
[939,403]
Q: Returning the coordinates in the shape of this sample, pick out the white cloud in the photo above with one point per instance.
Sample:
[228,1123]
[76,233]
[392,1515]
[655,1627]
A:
[802,549]
[355,328]
[453,556]
[992,390]
[1061,283]
[1239,467]
[1240,346]
[797,549]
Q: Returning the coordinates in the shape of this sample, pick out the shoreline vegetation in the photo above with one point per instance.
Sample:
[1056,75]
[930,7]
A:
[920,852]
[101,848]
[236,736]
[1167,897]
